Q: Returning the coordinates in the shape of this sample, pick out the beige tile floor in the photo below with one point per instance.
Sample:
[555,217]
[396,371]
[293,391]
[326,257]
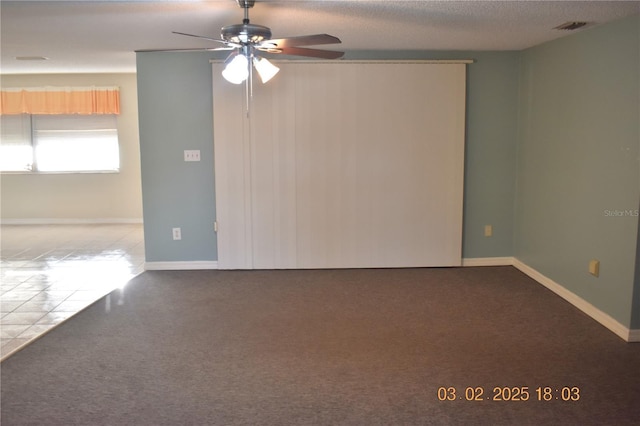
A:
[50,272]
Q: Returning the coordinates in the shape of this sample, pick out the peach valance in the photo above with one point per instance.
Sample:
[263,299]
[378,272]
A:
[60,100]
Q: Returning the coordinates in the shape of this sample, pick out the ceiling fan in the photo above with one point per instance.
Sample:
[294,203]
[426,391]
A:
[246,39]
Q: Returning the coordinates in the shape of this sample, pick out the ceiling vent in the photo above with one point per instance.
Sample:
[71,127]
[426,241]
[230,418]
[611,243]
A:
[32,58]
[570,26]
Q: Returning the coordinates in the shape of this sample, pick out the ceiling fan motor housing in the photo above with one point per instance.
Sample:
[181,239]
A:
[245,33]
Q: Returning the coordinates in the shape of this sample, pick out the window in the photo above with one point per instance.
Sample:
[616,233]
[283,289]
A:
[59,143]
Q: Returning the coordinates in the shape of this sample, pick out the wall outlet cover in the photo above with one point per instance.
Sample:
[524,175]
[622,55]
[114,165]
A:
[177,234]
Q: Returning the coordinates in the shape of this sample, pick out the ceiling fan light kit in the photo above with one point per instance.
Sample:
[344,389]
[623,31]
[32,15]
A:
[236,68]
[266,70]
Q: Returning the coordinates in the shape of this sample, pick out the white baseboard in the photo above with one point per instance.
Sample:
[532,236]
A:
[71,221]
[487,261]
[603,318]
[180,266]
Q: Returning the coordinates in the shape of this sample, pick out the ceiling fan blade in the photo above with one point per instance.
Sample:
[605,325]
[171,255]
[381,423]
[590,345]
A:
[202,37]
[196,49]
[308,40]
[302,51]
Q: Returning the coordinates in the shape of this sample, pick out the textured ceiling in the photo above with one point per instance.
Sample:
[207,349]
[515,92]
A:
[101,36]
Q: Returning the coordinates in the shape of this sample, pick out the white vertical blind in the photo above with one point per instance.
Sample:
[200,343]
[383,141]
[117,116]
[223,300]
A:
[342,165]
[232,177]
[274,175]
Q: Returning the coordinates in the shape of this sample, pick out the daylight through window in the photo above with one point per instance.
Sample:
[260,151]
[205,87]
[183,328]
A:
[59,143]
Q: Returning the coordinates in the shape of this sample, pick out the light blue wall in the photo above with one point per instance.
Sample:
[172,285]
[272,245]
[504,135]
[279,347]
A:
[578,175]
[175,113]
[490,155]
[175,103]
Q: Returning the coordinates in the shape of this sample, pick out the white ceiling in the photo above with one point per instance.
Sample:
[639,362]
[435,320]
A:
[101,36]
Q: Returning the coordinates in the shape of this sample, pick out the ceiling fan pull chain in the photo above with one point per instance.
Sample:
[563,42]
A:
[248,84]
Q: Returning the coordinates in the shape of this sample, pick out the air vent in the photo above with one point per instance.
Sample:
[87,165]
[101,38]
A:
[570,26]
[31,58]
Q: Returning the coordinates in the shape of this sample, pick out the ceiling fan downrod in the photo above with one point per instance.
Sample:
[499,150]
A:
[246,4]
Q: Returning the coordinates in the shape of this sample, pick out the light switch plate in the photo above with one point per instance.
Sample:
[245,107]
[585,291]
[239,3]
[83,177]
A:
[191,155]
[594,267]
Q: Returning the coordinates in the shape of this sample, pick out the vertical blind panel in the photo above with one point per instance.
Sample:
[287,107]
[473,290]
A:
[351,165]
[381,149]
[232,175]
[273,161]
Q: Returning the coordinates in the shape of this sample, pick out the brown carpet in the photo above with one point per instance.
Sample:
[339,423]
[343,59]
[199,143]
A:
[324,347]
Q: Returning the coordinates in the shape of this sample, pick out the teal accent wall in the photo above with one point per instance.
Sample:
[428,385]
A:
[175,107]
[490,164]
[578,174]
[175,113]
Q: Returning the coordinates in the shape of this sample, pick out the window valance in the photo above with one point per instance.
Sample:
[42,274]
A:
[60,100]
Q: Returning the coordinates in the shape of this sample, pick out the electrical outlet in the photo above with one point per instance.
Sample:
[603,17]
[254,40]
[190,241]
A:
[488,230]
[177,234]
[191,155]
